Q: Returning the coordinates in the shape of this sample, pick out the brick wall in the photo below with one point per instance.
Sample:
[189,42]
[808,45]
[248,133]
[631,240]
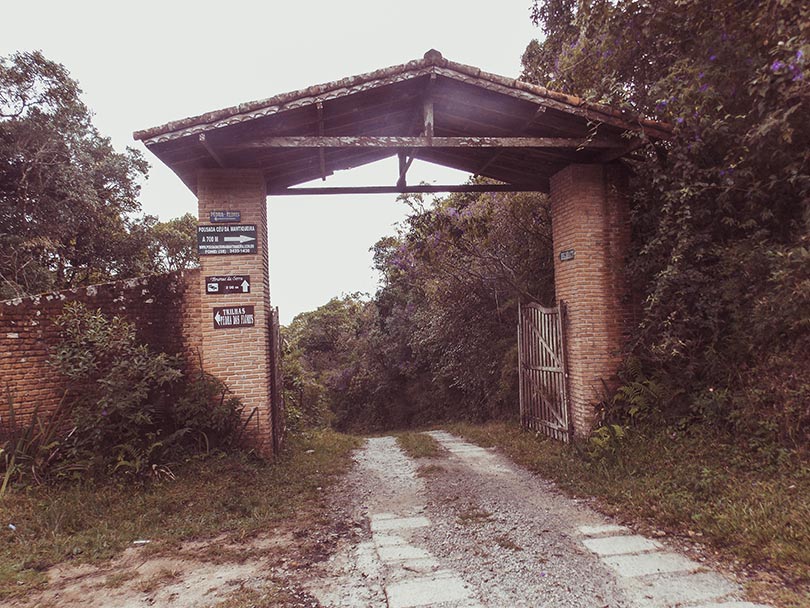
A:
[590,216]
[239,356]
[161,307]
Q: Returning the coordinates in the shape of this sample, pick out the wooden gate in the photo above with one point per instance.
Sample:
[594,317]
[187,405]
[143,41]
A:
[541,370]
[276,393]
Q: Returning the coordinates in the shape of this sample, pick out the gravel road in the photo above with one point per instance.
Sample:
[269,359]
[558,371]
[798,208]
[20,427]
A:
[471,529]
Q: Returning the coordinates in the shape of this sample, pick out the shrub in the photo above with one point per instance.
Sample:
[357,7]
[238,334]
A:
[126,410]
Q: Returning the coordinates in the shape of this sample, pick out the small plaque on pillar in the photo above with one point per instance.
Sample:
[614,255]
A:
[228,317]
[567,255]
[226,216]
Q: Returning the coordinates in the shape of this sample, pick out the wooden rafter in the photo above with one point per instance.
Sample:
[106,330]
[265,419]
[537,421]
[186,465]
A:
[211,151]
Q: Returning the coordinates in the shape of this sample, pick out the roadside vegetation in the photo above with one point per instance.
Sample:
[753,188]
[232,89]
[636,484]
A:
[225,496]
[691,484]
[127,412]
[418,445]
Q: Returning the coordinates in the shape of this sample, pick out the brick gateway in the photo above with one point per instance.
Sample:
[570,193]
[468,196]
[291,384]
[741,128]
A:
[523,136]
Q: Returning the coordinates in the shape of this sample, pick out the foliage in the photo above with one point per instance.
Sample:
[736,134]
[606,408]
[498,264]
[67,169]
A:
[117,393]
[29,448]
[721,212]
[127,411]
[438,339]
[65,193]
[204,407]
[162,247]
[320,355]
[67,199]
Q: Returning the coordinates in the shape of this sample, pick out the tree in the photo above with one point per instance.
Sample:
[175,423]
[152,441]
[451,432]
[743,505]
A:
[66,196]
[159,247]
[722,211]
[438,339]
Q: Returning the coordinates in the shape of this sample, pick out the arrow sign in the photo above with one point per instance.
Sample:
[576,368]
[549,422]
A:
[228,317]
[227,284]
[239,239]
[226,239]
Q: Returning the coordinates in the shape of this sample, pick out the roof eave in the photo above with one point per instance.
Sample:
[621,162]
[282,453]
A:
[432,62]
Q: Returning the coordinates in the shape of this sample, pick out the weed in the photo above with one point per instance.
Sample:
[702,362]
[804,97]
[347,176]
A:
[428,470]
[418,445]
[158,580]
[113,581]
[502,540]
[473,515]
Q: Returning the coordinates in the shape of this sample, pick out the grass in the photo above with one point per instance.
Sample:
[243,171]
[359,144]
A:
[228,494]
[430,470]
[752,510]
[418,445]
[507,543]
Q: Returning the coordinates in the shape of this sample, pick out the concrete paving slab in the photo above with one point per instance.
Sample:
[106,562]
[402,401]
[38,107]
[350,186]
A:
[387,540]
[378,516]
[401,552]
[406,569]
[618,545]
[732,605]
[650,563]
[661,591]
[399,523]
[603,530]
[423,591]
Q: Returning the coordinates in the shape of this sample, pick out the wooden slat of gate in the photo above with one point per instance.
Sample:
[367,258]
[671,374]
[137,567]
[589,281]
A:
[541,357]
[276,391]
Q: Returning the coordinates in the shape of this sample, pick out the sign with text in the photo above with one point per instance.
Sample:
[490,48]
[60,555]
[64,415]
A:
[228,239]
[228,317]
[568,254]
[220,217]
[227,284]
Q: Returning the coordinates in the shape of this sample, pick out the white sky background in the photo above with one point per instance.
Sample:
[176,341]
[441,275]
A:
[142,64]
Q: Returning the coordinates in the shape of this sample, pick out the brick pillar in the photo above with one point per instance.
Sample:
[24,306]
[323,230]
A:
[590,221]
[239,356]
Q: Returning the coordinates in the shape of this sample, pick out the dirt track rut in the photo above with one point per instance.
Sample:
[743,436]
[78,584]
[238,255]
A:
[471,529]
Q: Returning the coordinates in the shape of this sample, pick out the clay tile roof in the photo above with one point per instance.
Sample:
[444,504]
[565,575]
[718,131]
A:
[501,128]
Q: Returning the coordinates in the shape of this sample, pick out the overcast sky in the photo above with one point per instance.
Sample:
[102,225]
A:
[141,64]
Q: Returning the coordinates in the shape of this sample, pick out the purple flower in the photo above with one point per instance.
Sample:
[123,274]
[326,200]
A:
[712,57]
[679,120]
[703,88]
[777,65]
[799,55]
[104,412]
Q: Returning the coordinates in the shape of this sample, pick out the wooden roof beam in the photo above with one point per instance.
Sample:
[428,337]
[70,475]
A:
[321,153]
[405,189]
[427,142]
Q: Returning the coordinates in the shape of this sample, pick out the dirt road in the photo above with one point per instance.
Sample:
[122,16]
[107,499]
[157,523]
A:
[466,529]
[471,529]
